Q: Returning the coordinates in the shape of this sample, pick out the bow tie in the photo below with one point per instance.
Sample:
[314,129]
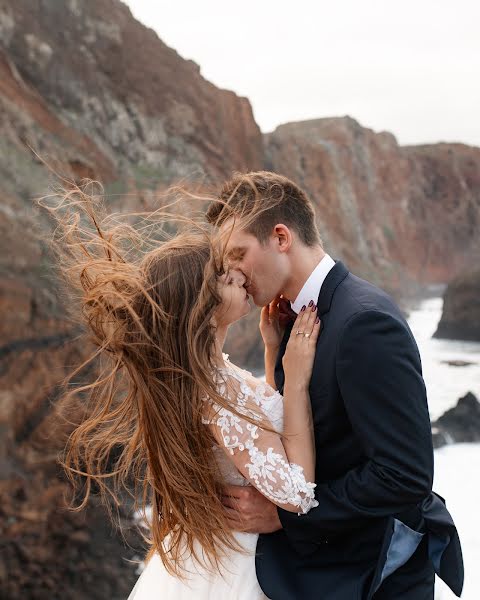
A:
[286,314]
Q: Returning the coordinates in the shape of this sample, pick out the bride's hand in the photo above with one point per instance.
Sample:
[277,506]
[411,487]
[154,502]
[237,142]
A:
[270,324]
[301,348]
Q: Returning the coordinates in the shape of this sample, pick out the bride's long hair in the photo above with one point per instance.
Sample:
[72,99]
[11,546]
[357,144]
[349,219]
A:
[146,300]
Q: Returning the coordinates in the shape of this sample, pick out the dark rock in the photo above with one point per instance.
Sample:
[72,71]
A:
[459,424]
[52,552]
[461,308]
[458,363]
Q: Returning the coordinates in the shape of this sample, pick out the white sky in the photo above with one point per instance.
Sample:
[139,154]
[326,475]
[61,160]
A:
[411,67]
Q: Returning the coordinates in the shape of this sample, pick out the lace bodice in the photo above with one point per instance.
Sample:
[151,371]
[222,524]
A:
[257,456]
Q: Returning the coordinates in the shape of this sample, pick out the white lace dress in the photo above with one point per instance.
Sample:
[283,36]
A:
[249,456]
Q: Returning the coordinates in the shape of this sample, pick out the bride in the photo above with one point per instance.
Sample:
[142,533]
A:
[169,411]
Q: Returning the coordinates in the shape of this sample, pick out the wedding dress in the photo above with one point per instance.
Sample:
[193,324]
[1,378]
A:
[268,470]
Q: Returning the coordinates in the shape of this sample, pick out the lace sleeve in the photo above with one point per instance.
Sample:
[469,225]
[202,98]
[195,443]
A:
[256,452]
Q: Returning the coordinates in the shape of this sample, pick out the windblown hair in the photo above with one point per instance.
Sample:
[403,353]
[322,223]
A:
[260,200]
[147,304]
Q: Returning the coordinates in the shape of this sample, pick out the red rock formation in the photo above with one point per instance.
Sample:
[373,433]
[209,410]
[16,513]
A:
[95,94]
[396,215]
[107,77]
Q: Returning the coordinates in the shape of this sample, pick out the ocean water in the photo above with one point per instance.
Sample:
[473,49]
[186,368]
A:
[455,480]
[445,383]
[455,465]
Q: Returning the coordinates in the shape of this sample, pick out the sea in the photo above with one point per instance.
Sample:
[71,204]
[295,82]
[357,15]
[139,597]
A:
[457,466]
[445,382]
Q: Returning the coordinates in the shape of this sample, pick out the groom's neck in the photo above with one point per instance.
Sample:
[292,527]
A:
[303,261]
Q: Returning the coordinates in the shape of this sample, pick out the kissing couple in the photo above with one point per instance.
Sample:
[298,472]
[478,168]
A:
[315,483]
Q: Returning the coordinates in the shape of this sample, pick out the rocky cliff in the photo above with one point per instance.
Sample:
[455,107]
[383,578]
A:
[94,93]
[398,216]
[91,75]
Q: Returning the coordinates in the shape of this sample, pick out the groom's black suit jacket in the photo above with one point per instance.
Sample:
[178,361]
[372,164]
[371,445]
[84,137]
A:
[374,461]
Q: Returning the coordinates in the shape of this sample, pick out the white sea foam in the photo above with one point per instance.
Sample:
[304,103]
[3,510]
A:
[456,479]
[445,383]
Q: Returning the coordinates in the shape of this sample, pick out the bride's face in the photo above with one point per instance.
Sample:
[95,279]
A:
[235,300]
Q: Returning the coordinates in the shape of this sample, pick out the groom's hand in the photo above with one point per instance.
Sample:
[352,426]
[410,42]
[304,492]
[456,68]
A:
[249,511]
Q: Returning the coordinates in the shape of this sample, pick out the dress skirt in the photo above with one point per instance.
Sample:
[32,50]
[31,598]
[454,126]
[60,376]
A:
[238,580]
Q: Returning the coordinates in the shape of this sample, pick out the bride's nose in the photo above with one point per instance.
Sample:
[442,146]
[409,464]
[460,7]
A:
[241,279]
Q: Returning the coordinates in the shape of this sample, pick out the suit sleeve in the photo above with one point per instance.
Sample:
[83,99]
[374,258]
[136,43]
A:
[380,380]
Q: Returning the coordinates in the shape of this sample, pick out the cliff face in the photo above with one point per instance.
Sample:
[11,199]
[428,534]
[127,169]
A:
[140,105]
[396,215]
[97,94]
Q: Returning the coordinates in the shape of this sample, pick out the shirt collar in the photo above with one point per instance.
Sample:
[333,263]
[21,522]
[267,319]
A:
[311,288]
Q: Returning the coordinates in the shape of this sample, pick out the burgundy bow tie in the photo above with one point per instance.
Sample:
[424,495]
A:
[286,314]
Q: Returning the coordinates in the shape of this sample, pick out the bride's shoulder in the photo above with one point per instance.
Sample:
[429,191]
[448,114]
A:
[230,366]
[259,387]
[249,395]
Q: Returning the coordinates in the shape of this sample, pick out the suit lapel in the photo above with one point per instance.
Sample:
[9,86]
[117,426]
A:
[334,278]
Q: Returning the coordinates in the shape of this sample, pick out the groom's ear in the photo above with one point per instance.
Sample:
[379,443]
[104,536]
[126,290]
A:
[283,237]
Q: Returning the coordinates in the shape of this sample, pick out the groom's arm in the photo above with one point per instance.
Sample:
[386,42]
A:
[380,380]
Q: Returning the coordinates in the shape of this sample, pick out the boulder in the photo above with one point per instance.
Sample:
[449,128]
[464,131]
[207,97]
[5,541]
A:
[459,424]
[461,308]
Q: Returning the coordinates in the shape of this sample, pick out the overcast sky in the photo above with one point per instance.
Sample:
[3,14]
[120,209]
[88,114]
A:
[411,67]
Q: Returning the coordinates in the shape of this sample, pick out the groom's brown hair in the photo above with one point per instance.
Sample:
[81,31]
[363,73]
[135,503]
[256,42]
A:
[262,199]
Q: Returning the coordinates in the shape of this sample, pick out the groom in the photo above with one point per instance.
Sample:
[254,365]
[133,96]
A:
[379,531]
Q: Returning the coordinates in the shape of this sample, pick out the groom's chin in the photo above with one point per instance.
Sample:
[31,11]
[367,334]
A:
[258,301]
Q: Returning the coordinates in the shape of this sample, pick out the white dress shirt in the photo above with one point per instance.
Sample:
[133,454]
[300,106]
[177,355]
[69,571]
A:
[311,288]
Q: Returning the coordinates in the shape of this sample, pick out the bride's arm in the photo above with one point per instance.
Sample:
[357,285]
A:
[271,335]
[281,467]
[298,436]
[270,359]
